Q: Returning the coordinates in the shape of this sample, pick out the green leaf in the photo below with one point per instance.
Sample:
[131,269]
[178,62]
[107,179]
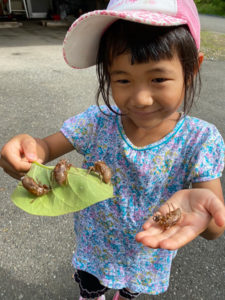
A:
[80,191]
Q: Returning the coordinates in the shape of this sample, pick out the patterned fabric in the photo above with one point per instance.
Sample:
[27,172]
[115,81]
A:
[143,179]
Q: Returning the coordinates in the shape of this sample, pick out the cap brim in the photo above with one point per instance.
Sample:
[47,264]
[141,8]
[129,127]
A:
[82,39]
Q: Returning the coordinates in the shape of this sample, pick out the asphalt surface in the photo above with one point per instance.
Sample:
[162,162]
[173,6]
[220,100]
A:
[38,91]
[211,23]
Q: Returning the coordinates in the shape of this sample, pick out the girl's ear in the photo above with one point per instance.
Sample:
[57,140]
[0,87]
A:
[200,59]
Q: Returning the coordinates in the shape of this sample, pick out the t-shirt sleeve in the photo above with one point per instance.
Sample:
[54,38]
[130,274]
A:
[207,162]
[79,130]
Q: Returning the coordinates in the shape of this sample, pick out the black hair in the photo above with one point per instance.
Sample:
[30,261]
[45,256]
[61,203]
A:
[144,42]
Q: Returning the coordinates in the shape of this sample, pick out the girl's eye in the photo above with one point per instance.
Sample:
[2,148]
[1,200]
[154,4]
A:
[122,81]
[159,80]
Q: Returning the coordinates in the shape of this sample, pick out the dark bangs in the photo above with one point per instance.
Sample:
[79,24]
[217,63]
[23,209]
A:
[145,43]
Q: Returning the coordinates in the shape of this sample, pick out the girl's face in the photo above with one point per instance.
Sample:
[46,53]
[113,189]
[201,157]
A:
[149,94]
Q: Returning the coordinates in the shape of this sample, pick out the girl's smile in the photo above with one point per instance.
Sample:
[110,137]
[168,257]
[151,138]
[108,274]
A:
[148,94]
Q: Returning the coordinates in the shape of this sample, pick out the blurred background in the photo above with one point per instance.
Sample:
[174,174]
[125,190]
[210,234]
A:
[70,9]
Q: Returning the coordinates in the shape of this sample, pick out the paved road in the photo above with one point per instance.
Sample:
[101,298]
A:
[212,23]
[37,92]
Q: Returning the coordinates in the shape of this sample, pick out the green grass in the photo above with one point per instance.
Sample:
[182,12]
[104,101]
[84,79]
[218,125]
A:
[211,7]
[213,45]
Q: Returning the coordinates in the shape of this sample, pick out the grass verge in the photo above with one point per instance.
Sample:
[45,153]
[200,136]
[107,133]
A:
[213,45]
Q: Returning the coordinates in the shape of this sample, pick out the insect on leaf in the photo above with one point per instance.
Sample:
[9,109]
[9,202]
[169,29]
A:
[80,191]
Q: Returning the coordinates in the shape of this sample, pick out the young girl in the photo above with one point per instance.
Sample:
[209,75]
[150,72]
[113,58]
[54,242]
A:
[155,151]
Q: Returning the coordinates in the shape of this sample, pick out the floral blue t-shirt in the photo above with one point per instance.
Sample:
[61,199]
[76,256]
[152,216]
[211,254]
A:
[143,179]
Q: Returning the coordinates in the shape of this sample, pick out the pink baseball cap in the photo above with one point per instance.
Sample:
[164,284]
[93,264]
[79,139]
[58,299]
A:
[81,43]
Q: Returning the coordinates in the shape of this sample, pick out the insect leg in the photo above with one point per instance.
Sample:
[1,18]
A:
[90,169]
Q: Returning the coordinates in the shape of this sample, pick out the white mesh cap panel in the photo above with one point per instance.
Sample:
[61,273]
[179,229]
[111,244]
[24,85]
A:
[163,6]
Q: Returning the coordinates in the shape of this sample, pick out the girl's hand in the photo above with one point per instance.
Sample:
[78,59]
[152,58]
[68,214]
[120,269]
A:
[198,207]
[17,155]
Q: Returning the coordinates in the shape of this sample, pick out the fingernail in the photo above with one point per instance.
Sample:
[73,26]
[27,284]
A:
[31,156]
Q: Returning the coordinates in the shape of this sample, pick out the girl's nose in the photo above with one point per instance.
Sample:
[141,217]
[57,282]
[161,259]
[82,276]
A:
[142,97]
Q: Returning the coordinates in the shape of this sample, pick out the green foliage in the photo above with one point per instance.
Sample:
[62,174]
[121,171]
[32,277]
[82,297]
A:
[211,7]
[81,190]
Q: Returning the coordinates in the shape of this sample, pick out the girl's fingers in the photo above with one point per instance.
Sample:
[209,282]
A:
[15,175]
[153,240]
[148,241]
[17,155]
[148,223]
[179,239]
[219,218]
[29,147]
[171,239]
[18,165]
[217,209]
[10,170]
[152,231]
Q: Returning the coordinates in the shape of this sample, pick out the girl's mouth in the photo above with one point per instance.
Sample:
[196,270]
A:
[143,113]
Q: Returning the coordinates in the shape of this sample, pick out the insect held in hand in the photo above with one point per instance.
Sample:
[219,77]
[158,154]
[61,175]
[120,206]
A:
[169,219]
[60,172]
[103,170]
[33,187]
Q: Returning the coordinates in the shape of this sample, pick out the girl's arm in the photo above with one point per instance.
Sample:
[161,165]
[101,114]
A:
[18,153]
[57,145]
[212,231]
